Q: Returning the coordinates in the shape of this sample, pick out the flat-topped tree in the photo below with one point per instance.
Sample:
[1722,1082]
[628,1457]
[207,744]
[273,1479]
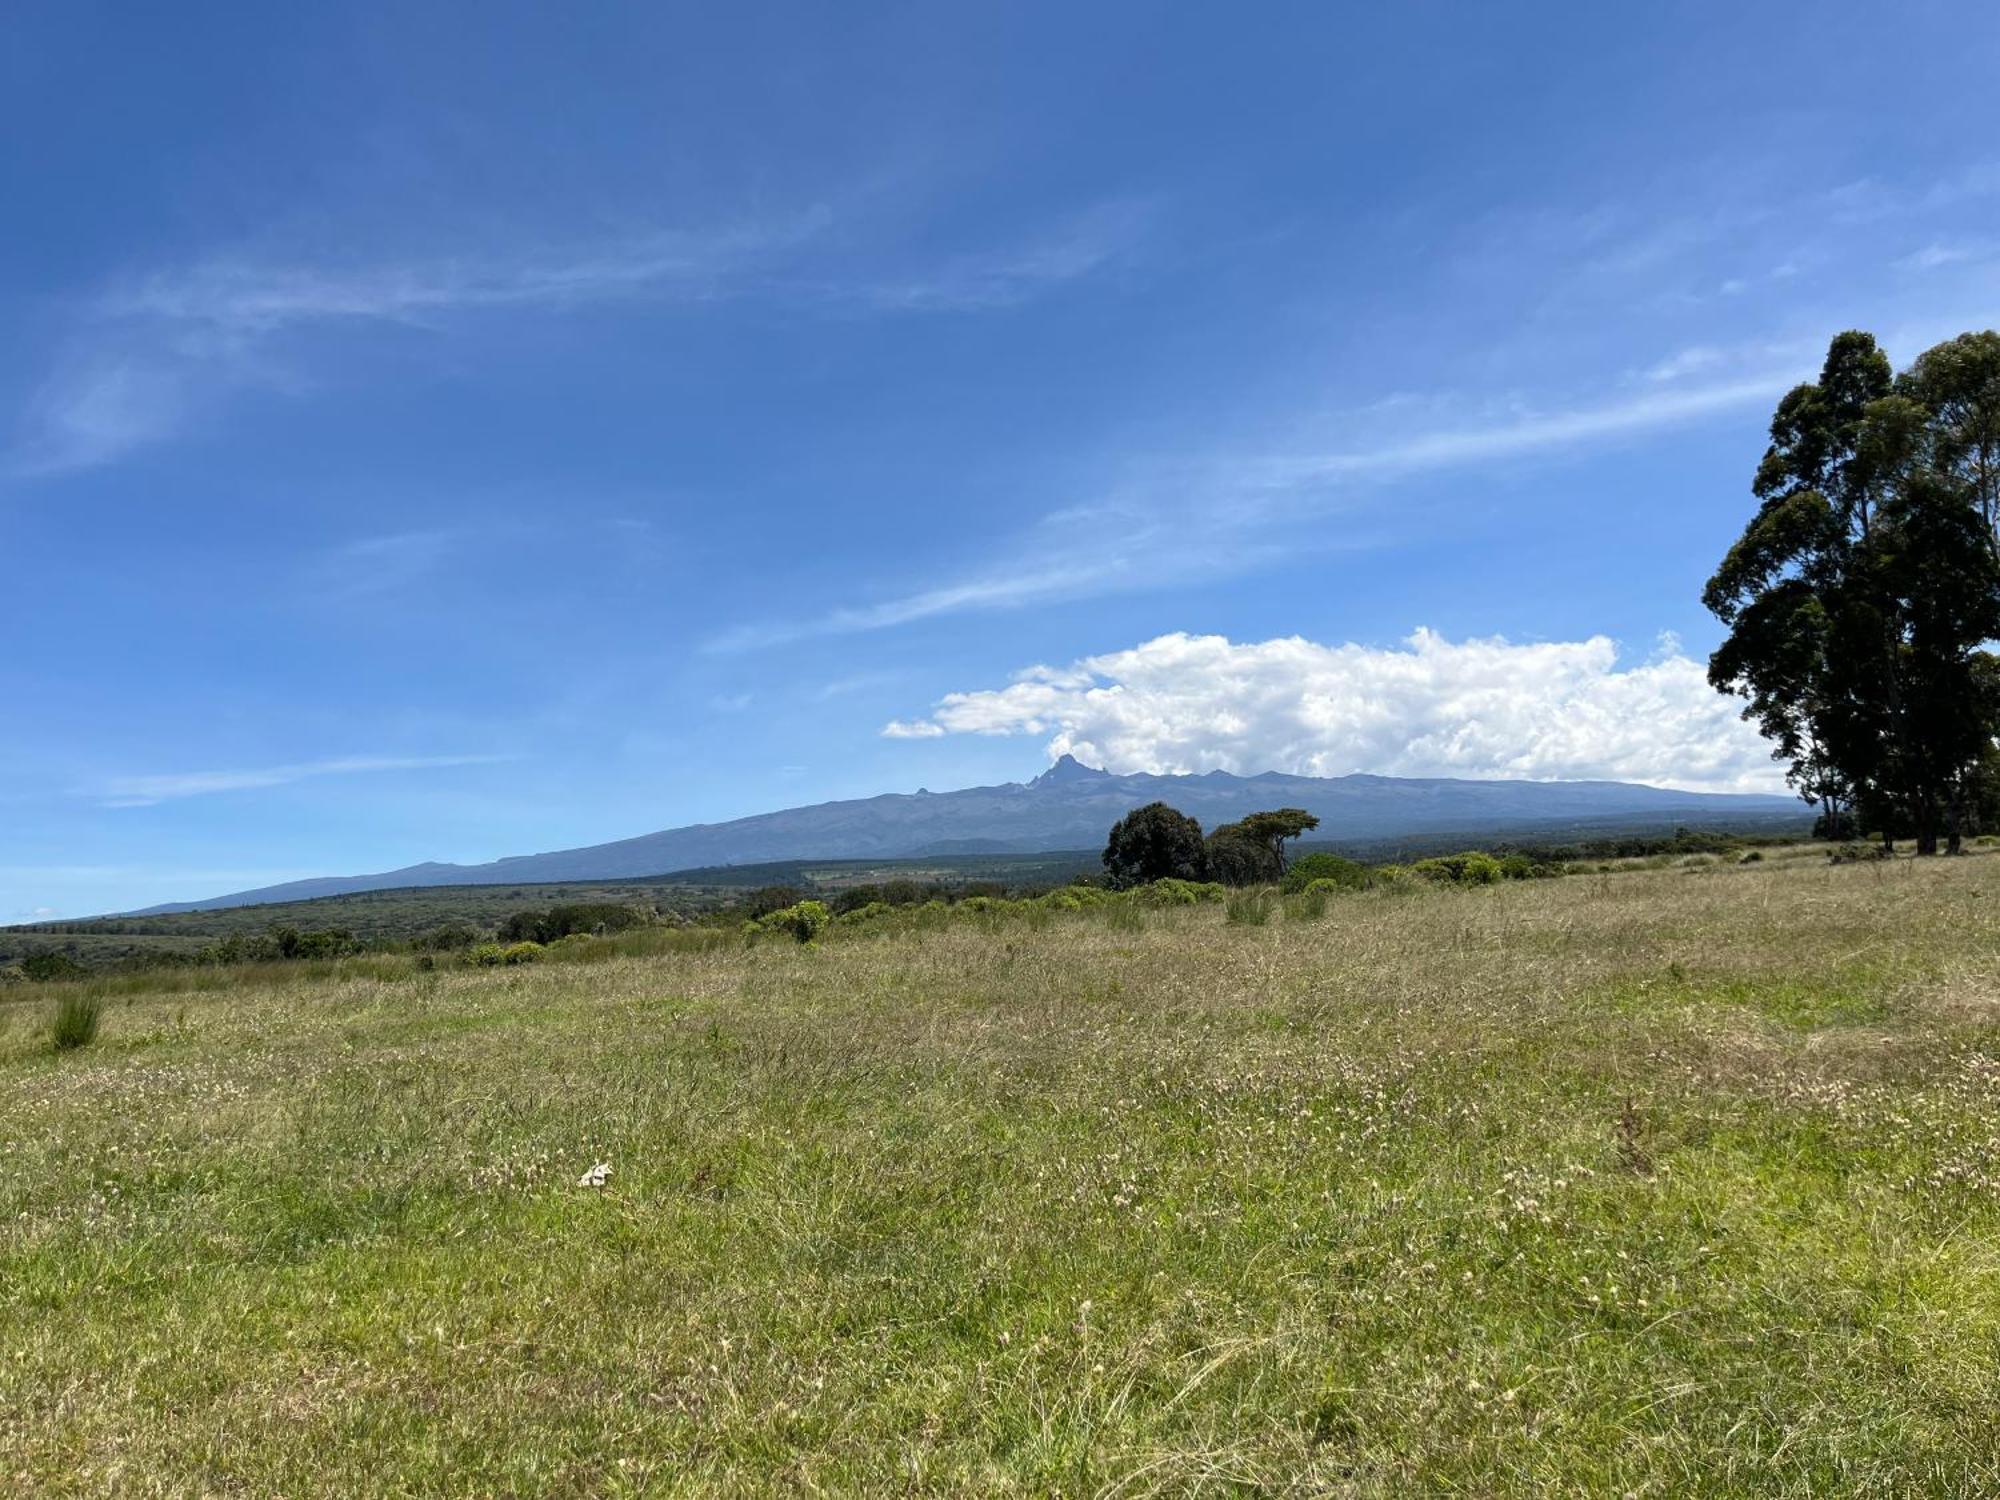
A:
[1272,829]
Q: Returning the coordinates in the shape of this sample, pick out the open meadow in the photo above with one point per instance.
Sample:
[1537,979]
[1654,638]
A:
[1657,1182]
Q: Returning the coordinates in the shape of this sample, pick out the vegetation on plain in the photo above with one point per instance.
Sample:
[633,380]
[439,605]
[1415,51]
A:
[1675,1180]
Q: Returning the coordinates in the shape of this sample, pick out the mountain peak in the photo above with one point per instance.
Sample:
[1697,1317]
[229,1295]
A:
[1069,769]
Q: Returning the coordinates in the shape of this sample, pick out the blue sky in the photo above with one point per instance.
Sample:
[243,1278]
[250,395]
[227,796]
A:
[453,431]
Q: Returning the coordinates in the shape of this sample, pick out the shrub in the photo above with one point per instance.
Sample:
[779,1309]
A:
[486,954]
[75,1021]
[45,967]
[1857,854]
[866,913]
[448,937]
[856,898]
[589,917]
[1470,868]
[768,900]
[1178,893]
[804,920]
[1065,899]
[1311,869]
[521,953]
[1751,857]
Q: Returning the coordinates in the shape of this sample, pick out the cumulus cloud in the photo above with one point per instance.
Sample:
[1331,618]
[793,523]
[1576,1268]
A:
[1558,710]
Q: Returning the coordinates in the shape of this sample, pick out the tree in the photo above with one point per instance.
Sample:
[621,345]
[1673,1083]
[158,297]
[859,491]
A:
[1862,592]
[1251,851]
[1782,587]
[1155,842]
[1235,858]
[1272,829]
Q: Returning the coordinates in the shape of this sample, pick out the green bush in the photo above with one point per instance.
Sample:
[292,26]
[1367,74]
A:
[1473,867]
[1065,899]
[803,921]
[1341,874]
[589,917]
[1172,892]
[74,1023]
[45,967]
[447,937]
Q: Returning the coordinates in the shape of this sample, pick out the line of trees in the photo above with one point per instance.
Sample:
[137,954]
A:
[1862,597]
[1158,842]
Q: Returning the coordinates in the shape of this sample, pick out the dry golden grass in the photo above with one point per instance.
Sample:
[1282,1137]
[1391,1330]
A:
[1654,1183]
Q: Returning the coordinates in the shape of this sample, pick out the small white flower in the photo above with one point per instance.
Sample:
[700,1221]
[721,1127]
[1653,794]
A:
[596,1177]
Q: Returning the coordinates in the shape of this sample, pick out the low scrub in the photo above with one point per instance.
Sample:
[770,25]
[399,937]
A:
[803,921]
[494,955]
[1328,870]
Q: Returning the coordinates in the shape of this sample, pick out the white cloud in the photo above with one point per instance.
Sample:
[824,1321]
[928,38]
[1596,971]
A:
[1933,256]
[144,791]
[1561,710]
[157,348]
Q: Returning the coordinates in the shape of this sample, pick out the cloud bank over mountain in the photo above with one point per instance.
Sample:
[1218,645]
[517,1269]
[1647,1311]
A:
[1568,710]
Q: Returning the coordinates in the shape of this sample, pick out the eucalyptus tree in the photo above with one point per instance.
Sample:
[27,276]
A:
[1862,593]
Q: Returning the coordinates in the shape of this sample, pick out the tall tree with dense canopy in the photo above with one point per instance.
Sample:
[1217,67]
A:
[1861,594]
[1155,842]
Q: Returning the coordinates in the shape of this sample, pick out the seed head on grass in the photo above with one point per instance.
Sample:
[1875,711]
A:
[75,1021]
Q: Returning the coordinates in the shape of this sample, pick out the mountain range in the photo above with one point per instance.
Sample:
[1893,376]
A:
[1072,806]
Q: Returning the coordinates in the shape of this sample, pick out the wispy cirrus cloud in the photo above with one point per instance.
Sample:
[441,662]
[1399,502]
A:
[159,347]
[1221,521]
[147,790]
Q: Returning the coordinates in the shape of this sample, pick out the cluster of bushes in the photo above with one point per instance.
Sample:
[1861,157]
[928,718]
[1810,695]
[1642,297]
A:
[281,941]
[1328,871]
[494,955]
[1477,867]
[592,918]
[50,965]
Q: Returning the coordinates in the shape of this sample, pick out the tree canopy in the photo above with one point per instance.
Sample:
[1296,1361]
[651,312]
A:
[1862,593]
[1155,842]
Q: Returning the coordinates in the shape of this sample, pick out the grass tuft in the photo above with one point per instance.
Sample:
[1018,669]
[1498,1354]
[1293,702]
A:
[75,1021]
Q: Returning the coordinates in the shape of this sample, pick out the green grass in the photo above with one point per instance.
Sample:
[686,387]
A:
[1348,1204]
[75,1019]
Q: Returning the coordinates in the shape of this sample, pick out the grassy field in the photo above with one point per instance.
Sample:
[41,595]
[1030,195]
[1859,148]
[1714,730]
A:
[1668,1182]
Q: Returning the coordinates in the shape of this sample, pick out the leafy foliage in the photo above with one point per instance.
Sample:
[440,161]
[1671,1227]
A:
[1338,873]
[804,921]
[52,965]
[1155,842]
[1861,595]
